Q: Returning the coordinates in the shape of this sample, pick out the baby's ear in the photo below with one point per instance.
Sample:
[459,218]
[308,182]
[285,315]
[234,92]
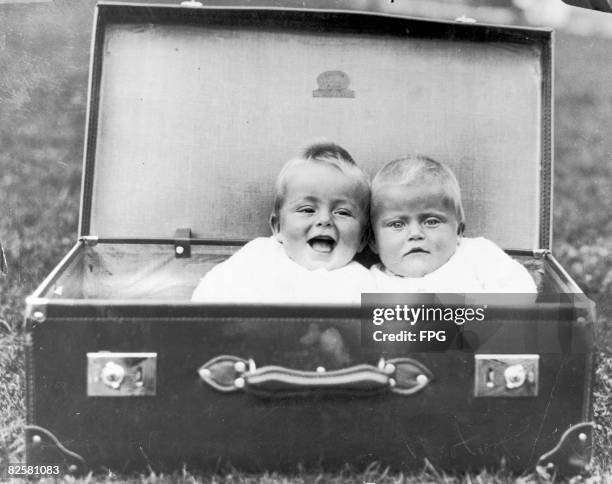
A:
[274,224]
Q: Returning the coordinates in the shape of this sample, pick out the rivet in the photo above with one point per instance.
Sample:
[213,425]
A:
[550,465]
[112,375]
[582,437]
[392,382]
[240,366]
[36,439]
[205,373]
[179,249]
[422,379]
[320,369]
[72,468]
[38,315]
[239,382]
[515,376]
[389,368]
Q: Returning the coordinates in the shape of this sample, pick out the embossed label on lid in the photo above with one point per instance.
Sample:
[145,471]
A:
[333,84]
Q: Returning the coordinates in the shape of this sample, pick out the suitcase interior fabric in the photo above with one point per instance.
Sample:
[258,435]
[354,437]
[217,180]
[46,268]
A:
[153,272]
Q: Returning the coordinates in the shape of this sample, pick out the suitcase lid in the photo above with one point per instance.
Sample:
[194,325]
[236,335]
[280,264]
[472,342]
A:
[193,111]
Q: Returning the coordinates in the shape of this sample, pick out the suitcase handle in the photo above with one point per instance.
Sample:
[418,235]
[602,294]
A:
[403,376]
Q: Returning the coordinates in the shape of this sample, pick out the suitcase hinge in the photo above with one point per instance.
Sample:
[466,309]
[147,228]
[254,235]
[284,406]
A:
[182,243]
[541,253]
[89,240]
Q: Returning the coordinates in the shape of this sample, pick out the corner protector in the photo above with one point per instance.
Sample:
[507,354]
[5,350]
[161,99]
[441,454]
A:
[42,447]
[35,311]
[572,455]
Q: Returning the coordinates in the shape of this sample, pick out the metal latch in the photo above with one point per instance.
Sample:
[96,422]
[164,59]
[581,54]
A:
[506,375]
[112,374]
[182,243]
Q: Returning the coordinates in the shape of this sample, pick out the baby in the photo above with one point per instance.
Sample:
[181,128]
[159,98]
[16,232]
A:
[418,221]
[318,222]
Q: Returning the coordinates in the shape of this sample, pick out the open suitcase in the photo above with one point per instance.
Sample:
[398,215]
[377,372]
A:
[192,112]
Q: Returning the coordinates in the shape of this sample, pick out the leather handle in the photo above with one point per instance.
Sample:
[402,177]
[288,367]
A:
[403,376]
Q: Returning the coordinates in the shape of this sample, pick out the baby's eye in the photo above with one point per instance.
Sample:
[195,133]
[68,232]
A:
[305,209]
[395,224]
[432,222]
[345,212]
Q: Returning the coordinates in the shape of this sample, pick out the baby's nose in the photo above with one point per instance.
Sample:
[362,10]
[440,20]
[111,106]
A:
[324,218]
[415,231]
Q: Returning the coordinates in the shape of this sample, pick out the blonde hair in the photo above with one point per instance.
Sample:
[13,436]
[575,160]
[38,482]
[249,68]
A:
[331,154]
[421,169]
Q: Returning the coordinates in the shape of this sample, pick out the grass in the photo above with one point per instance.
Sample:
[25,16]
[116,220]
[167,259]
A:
[43,73]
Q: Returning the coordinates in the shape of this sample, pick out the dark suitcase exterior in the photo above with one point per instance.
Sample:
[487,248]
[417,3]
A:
[124,373]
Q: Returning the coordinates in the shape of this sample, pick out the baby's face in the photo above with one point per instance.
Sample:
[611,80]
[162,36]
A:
[322,220]
[415,231]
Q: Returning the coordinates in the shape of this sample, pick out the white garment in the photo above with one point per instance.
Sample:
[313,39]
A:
[477,266]
[261,272]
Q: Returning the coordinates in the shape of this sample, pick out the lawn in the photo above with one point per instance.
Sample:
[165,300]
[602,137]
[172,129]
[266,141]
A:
[44,51]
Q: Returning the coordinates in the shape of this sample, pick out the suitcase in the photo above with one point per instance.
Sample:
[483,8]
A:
[192,111]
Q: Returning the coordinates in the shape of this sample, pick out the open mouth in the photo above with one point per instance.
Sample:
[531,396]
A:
[322,243]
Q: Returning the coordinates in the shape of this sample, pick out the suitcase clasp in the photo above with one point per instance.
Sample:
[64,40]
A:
[506,375]
[112,374]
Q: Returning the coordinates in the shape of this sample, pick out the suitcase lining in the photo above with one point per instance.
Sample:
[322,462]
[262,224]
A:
[152,272]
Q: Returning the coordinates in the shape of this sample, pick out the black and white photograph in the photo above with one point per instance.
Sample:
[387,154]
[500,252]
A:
[306,241]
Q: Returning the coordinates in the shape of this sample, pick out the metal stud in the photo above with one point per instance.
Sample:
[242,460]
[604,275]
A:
[38,316]
[72,468]
[515,376]
[239,382]
[582,437]
[112,375]
[422,379]
[389,368]
[179,249]
[240,366]
[36,439]
[320,369]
